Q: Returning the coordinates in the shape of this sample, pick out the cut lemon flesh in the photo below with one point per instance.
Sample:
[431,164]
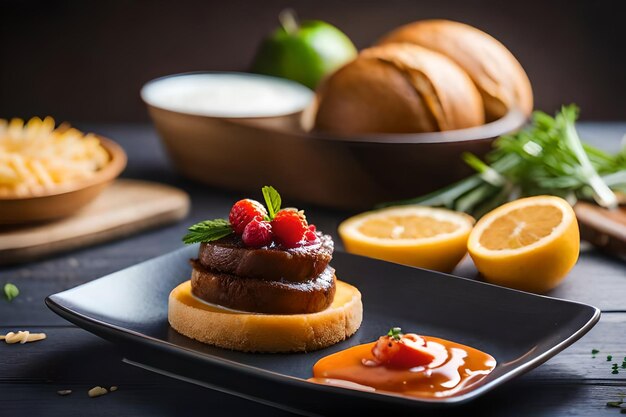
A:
[521,227]
[529,244]
[419,236]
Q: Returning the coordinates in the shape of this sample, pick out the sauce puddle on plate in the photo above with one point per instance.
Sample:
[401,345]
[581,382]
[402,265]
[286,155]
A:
[433,368]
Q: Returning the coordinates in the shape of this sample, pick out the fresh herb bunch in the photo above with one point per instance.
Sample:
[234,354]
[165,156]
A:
[547,157]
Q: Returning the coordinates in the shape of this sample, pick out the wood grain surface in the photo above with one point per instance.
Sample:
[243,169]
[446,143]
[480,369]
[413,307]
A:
[570,384]
[605,228]
[125,207]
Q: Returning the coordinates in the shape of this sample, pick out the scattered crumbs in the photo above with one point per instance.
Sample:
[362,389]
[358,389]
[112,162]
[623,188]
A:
[113,388]
[609,358]
[22,337]
[97,391]
[64,392]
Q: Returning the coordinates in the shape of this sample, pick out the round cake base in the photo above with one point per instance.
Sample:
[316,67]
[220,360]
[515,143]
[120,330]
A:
[253,332]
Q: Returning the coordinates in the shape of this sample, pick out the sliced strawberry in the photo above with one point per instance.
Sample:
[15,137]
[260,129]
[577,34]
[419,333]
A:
[243,212]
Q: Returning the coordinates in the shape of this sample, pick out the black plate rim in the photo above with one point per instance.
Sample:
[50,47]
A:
[92,325]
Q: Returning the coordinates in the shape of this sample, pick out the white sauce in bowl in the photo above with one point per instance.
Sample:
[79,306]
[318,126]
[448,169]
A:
[227,94]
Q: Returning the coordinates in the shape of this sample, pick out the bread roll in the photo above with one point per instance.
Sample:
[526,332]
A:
[499,77]
[253,332]
[398,88]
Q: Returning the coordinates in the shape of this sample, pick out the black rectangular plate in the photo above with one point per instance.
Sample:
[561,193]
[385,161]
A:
[520,330]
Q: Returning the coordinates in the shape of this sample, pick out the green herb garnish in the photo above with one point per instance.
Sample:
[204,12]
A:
[594,351]
[615,371]
[547,157]
[609,358]
[615,404]
[11,291]
[395,333]
[208,231]
[272,200]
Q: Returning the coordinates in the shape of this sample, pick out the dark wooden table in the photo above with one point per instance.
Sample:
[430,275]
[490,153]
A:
[572,383]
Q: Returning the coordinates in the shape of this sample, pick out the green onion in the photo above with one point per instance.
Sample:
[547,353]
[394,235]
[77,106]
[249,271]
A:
[546,157]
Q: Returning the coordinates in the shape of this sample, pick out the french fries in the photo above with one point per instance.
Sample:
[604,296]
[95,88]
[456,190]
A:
[35,157]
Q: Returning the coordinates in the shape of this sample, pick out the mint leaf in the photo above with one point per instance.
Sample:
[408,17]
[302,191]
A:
[272,200]
[11,291]
[208,231]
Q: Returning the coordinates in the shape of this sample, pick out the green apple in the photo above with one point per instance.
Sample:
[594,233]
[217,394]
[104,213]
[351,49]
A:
[305,52]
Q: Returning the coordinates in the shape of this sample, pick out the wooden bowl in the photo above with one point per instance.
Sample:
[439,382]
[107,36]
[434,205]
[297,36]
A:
[63,201]
[346,172]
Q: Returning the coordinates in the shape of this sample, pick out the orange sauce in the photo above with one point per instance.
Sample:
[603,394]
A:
[455,368]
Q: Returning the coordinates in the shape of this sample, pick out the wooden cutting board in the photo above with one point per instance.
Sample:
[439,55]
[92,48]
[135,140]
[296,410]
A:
[123,208]
[603,228]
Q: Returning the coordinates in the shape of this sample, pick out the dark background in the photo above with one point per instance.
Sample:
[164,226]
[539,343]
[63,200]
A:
[86,60]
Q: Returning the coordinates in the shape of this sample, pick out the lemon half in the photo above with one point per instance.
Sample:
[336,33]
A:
[528,244]
[425,237]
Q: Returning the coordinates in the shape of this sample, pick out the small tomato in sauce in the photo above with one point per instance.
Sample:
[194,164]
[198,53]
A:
[402,351]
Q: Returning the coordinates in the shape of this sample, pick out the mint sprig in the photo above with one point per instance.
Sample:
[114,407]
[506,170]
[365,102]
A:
[272,200]
[208,231]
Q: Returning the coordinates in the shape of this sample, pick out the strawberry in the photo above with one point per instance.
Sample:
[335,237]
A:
[398,350]
[257,233]
[243,212]
[289,227]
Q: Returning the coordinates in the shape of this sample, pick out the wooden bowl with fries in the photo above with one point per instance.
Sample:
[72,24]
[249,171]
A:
[43,192]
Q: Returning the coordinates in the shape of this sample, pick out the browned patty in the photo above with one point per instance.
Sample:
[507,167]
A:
[263,296]
[230,256]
